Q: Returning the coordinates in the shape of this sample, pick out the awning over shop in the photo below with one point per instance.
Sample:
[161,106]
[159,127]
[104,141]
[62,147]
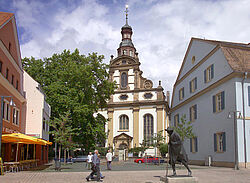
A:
[22,138]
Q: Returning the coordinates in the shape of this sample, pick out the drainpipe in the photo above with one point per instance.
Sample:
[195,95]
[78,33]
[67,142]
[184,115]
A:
[244,122]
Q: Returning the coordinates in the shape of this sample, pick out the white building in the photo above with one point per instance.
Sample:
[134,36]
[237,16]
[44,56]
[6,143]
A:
[38,111]
[213,82]
[137,110]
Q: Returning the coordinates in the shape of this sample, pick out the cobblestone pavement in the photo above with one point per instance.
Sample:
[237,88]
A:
[204,174]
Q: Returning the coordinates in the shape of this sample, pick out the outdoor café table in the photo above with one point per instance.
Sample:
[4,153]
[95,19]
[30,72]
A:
[25,164]
[12,165]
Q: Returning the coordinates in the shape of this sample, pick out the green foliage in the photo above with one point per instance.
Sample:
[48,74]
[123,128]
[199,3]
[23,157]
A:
[144,145]
[102,150]
[184,128]
[158,139]
[135,151]
[75,83]
[163,149]
[63,130]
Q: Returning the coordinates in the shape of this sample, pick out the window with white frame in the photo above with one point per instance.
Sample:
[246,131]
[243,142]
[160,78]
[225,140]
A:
[124,123]
[220,142]
[16,116]
[6,110]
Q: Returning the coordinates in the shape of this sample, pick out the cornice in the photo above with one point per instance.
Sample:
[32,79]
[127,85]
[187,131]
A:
[209,88]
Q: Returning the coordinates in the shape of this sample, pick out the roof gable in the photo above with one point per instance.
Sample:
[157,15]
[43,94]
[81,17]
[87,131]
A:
[197,50]
[4,18]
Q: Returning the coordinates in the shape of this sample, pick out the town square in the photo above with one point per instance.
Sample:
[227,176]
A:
[125,91]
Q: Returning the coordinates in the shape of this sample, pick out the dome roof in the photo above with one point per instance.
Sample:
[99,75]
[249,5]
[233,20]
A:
[126,26]
[126,42]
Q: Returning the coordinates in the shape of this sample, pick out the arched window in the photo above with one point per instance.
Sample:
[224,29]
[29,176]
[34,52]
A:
[124,80]
[123,122]
[148,128]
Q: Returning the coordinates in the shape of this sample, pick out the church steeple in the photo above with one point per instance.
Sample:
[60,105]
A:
[126,46]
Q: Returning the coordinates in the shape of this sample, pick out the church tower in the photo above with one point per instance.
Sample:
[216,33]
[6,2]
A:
[137,110]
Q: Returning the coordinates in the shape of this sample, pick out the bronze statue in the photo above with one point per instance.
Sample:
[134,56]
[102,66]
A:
[176,151]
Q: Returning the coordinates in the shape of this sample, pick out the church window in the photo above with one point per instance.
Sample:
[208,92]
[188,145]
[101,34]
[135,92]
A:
[124,97]
[148,128]
[125,52]
[124,80]
[148,95]
[124,62]
[124,123]
[131,53]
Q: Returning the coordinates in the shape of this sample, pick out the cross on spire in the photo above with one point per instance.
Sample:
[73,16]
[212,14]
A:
[126,14]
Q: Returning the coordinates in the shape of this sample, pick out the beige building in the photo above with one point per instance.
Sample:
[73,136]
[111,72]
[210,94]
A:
[137,110]
[38,111]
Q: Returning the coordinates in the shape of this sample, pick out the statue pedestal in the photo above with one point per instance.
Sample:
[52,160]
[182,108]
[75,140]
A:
[179,179]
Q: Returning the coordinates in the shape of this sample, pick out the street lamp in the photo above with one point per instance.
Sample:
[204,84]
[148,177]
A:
[1,118]
[236,161]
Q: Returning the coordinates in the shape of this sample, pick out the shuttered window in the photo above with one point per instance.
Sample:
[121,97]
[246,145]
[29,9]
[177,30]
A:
[218,102]
[193,145]
[176,120]
[181,93]
[220,142]
[209,73]
[193,113]
[193,85]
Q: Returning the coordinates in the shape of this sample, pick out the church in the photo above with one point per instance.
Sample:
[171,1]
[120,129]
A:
[136,111]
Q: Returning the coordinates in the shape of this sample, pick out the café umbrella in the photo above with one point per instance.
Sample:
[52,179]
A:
[24,139]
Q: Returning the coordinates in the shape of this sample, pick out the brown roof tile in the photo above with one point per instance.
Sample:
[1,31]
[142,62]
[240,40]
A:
[238,59]
[4,17]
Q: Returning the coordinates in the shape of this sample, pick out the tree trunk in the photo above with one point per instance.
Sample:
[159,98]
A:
[65,155]
[59,152]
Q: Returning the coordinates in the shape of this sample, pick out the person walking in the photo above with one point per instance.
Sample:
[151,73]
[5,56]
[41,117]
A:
[89,161]
[95,167]
[109,159]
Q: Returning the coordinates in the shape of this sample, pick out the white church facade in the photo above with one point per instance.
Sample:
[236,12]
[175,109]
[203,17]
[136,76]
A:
[136,111]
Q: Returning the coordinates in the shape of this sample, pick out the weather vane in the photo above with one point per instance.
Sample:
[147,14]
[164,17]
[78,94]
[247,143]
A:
[126,13]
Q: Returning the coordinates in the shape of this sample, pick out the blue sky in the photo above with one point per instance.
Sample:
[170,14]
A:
[162,29]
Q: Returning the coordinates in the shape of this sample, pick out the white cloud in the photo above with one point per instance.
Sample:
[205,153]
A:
[162,29]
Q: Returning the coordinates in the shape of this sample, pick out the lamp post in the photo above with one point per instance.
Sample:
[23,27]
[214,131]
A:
[1,118]
[236,161]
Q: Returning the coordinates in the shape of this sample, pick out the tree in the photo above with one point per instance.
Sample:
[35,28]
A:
[63,132]
[158,140]
[144,146]
[184,128]
[78,84]
[163,149]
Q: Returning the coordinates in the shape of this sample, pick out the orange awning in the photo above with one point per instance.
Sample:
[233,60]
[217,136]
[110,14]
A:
[22,138]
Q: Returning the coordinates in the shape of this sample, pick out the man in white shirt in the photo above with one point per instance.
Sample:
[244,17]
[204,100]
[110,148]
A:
[89,159]
[109,159]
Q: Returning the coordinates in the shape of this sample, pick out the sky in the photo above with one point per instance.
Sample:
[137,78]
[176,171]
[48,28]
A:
[162,29]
